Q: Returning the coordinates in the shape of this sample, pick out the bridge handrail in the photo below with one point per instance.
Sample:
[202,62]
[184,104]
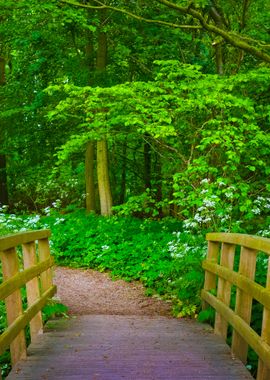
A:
[36,276]
[220,276]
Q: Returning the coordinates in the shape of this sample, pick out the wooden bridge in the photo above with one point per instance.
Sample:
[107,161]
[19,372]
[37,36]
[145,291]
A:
[114,347]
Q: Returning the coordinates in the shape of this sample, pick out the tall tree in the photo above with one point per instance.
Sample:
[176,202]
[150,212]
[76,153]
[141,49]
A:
[3,160]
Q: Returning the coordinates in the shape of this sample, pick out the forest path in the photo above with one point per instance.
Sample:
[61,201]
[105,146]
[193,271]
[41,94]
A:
[91,292]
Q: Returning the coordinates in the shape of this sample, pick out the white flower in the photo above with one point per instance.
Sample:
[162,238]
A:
[220,183]
[198,218]
[209,203]
[47,210]
[202,208]
[204,181]
[256,211]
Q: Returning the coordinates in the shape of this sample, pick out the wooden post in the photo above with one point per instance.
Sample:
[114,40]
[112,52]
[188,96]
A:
[10,267]
[32,288]
[224,288]
[243,306]
[210,281]
[44,254]
[264,371]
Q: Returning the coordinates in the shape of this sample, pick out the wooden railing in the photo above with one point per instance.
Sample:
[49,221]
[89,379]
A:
[32,270]
[220,277]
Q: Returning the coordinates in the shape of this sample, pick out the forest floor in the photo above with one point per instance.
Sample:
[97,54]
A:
[91,292]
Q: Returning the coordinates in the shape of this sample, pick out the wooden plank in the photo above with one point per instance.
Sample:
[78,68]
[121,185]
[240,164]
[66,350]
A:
[14,329]
[255,290]
[17,281]
[224,288]
[13,240]
[10,267]
[210,281]
[264,367]
[32,288]
[248,241]
[44,254]
[243,307]
[243,329]
[111,347]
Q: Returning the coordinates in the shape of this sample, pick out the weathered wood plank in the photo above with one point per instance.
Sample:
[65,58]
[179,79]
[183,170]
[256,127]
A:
[13,240]
[210,280]
[17,281]
[264,367]
[224,288]
[16,328]
[10,267]
[243,307]
[102,347]
[32,288]
[257,291]
[44,254]
[244,330]
[248,241]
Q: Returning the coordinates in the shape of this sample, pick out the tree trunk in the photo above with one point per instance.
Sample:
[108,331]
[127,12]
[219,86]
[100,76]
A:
[89,177]
[3,180]
[123,175]
[105,195]
[103,178]
[3,159]
[2,71]
[158,181]
[218,17]
[219,59]
[147,164]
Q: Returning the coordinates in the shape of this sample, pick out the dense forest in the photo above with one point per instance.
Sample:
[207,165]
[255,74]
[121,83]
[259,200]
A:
[130,108]
[132,128]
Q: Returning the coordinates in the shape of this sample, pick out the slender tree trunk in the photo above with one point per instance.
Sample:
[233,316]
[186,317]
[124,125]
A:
[2,71]
[3,159]
[105,195]
[147,164]
[158,181]
[103,178]
[3,180]
[123,175]
[89,177]
[218,18]
[219,59]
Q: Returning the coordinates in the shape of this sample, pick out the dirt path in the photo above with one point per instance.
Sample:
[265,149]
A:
[91,292]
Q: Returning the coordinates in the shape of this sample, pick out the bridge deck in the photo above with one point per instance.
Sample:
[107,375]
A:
[102,347]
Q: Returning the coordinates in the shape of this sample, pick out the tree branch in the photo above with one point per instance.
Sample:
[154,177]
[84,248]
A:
[232,38]
[130,14]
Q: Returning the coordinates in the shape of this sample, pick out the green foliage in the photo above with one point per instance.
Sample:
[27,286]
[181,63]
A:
[141,205]
[167,261]
[216,126]
[54,309]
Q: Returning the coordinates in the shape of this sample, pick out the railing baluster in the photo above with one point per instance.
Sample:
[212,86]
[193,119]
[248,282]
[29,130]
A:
[44,254]
[243,307]
[224,288]
[210,281]
[32,288]
[263,370]
[10,267]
